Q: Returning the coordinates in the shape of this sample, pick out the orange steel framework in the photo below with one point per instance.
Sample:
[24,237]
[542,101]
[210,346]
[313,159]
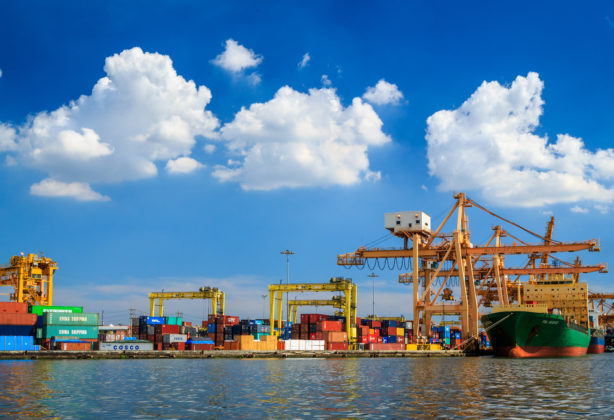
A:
[31,278]
[485,279]
[606,318]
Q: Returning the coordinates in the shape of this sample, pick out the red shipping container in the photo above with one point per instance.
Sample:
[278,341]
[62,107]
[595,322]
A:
[358,321]
[304,329]
[204,324]
[73,346]
[376,332]
[151,338]
[187,324]
[14,308]
[363,339]
[329,326]
[200,346]
[380,340]
[304,319]
[336,346]
[158,346]
[167,329]
[18,318]
[211,319]
[180,346]
[362,330]
[281,345]
[313,336]
[372,338]
[320,335]
[315,318]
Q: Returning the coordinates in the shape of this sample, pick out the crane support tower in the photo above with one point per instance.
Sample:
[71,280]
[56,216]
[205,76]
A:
[215,294]
[480,270]
[337,302]
[31,277]
[336,284]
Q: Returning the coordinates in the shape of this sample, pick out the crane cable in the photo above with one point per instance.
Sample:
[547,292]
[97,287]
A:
[509,221]
[473,337]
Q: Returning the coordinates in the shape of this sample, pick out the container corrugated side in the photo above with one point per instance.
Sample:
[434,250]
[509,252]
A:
[40,309]
[84,331]
[58,318]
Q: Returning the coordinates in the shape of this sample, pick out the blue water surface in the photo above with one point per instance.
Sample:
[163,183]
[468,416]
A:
[480,387]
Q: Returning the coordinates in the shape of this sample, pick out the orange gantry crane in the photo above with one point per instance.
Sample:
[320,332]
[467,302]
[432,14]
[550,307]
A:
[606,309]
[31,277]
[479,269]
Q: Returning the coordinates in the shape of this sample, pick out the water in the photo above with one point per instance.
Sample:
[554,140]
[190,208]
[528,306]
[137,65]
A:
[484,387]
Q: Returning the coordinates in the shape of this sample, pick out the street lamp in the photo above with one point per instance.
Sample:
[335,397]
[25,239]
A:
[373,276]
[287,253]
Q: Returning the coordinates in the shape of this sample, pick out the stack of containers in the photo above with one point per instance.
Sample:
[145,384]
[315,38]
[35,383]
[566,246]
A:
[223,328]
[455,336]
[387,334]
[70,331]
[17,327]
[444,334]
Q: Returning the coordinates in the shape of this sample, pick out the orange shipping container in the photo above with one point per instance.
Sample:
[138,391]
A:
[336,336]
[7,318]
[14,307]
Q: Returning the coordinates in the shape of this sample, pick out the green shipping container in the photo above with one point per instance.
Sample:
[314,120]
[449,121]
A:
[59,318]
[85,331]
[39,309]
[173,320]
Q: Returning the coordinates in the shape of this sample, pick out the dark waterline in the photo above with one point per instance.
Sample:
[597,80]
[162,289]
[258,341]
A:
[483,387]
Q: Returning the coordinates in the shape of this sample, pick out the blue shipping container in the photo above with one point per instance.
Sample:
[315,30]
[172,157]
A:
[13,330]
[16,343]
[211,328]
[155,320]
[392,339]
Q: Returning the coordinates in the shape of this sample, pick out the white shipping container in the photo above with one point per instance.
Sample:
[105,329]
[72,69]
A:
[151,330]
[174,338]
[126,346]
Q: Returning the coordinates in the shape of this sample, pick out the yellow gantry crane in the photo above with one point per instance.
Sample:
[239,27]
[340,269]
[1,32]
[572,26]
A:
[336,284]
[336,302]
[479,269]
[31,277]
[215,294]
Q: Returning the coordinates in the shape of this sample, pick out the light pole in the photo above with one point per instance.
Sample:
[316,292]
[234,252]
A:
[287,253]
[373,276]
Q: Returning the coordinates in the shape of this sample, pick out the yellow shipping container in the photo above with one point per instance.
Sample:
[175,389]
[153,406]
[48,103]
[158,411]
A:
[411,347]
[400,332]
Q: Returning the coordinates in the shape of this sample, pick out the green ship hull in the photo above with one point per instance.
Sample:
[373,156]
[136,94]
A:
[520,334]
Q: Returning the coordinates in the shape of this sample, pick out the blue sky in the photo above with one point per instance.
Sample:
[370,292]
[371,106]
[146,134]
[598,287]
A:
[210,137]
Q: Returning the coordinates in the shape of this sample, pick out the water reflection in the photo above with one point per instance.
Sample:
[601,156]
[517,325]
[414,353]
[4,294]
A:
[300,388]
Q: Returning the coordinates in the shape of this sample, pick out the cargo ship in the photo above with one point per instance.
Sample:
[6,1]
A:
[550,320]
[597,343]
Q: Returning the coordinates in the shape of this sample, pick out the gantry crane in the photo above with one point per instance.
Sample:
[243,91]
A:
[606,309]
[479,268]
[213,293]
[336,284]
[31,278]
[337,302]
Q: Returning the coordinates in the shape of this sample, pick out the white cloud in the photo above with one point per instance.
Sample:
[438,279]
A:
[7,138]
[578,209]
[236,57]
[140,113]
[209,148]
[488,144]
[304,61]
[383,93]
[79,191]
[326,81]
[602,209]
[183,165]
[254,78]
[301,139]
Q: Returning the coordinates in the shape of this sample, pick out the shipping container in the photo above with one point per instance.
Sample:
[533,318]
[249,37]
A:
[14,307]
[85,331]
[167,329]
[174,338]
[154,320]
[127,346]
[73,346]
[59,318]
[39,309]
[12,330]
[336,346]
[329,326]
[7,318]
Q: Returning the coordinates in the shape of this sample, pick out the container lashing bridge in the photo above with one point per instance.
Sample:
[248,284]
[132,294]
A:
[31,277]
